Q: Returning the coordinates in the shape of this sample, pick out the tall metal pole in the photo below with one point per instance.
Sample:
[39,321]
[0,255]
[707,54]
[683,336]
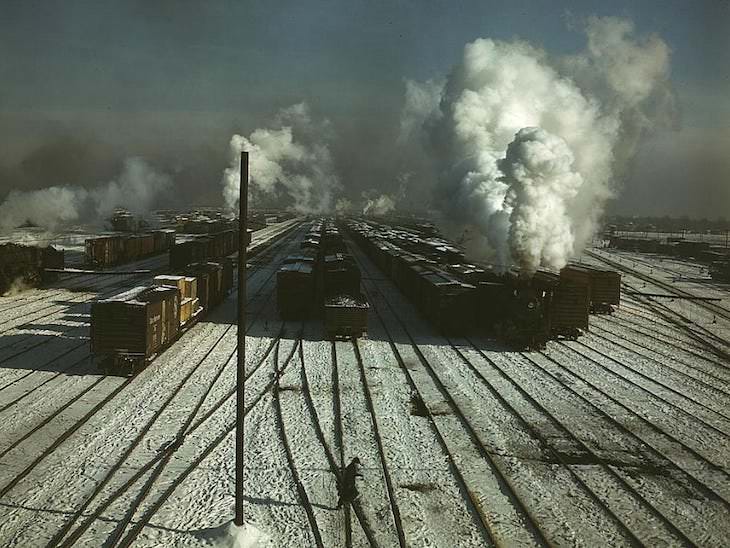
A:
[241,350]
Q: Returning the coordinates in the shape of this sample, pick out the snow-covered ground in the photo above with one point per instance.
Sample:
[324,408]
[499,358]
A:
[619,438]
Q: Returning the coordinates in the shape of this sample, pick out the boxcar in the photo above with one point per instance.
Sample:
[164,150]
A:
[295,286]
[105,250]
[605,285]
[209,283]
[133,327]
[192,251]
[569,308]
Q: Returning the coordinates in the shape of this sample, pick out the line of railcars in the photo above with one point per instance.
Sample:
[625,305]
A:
[25,265]
[130,329]
[322,278]
[716,257]
[524,312]
[117,249]
[203,248]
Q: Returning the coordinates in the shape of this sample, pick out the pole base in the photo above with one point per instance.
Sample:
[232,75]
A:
[230,535]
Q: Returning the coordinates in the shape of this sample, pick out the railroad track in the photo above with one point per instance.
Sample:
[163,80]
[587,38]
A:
[163,455]
[301,491]
[647,330]
[86,417]
[637,497]
[72,282]
[47,362]
[555,453]
[115,538]
[657,446]
[154,507]
[141,435]
[703,336]
[335,468]
[153,261]
[261,261]
[683,276]
[651,317]
[678,394]
[665,359]
[711,307]
[339,442]
[82,299]
[616,472]
[379,442]
[486,527]
[637,387]
[258,258]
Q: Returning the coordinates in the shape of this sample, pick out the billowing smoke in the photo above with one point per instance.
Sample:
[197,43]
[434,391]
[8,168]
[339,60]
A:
[343,206]
[138,188]
[538,169]
[527,146]
[381,205]
[378,205]
[290,161]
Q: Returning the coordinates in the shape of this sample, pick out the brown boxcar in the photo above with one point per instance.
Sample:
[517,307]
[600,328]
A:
[133,327]
[295,286]
[605,285]
[105,250]
[569,308]
[185,253]
[209,282]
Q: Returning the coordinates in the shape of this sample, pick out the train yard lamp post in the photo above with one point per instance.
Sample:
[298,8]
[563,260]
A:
[241,349]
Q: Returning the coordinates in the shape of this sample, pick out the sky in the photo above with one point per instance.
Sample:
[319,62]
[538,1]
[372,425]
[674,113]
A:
[86,85]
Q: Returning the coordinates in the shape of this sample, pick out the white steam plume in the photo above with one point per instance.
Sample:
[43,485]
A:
[378,205]
[290,159]
[343,206]
[590,116]
[538,169]
[137,189]
[381,205]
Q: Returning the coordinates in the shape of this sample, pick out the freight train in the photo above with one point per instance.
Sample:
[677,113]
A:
[132,328]
[702,252]
[24,266]
[203,248]
[124,248]
[323,278]
[522,311]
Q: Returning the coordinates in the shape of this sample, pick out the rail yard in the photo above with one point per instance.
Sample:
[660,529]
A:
[377,342]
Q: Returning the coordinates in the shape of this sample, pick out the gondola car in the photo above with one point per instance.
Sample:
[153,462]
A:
[346,315]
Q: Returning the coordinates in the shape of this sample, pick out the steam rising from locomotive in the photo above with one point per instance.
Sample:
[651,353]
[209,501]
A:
[289,160]
[528,146]
[138,188]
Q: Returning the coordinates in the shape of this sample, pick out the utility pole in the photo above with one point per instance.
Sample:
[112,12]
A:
[241,349]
